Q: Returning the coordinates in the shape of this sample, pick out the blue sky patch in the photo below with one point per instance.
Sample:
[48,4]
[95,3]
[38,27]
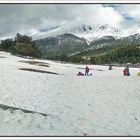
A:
[129,18]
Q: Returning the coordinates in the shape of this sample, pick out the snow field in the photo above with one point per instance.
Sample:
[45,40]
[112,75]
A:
[105,104]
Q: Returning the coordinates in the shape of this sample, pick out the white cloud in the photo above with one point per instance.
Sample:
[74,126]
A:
[131,13]
[132,10]
[31,18]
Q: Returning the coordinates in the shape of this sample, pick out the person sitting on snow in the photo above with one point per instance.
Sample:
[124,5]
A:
[80,74]
[86,70]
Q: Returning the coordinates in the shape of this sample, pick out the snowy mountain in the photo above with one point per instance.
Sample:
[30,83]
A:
[83,31]
[80,38]
[112,41]
[104,32]
[107,30]
[77,30]
[132,38]
[73,39]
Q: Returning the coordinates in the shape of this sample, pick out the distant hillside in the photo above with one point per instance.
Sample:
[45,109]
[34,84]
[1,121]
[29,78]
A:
[106,40]
[65,44]
[109,55]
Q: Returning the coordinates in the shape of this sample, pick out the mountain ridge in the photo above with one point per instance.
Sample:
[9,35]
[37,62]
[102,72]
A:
[87,31]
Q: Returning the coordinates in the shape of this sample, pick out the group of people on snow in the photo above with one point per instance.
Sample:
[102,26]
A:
[86,72]
[125,71]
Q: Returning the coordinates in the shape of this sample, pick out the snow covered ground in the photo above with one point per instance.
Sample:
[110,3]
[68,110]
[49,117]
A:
[105,104]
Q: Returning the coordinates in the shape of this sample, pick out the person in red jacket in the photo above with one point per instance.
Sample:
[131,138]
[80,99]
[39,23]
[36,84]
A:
[86,70]
[124,72]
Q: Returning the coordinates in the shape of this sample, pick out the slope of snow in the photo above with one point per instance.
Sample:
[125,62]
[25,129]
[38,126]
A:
[106,103]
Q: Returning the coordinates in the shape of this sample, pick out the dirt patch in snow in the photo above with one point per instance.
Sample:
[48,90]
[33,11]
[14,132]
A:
[2,57]
[40,71]
[12,109]
[38,63]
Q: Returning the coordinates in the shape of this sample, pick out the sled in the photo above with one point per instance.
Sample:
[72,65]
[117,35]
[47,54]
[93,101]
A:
[84,74]
[127,75]
[138,74]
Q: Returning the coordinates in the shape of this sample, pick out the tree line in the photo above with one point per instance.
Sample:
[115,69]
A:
[108,55]
[22,45]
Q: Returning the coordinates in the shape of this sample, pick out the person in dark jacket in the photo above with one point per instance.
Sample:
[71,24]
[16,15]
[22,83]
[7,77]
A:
[127,70]
[110,67]
[86,70]
[80,74]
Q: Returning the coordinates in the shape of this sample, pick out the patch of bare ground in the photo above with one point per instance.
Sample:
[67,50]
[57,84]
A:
[12,109]
[38,63]
[2,57]
[36,70]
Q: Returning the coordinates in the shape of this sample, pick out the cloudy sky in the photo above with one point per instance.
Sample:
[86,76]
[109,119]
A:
[32,18]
